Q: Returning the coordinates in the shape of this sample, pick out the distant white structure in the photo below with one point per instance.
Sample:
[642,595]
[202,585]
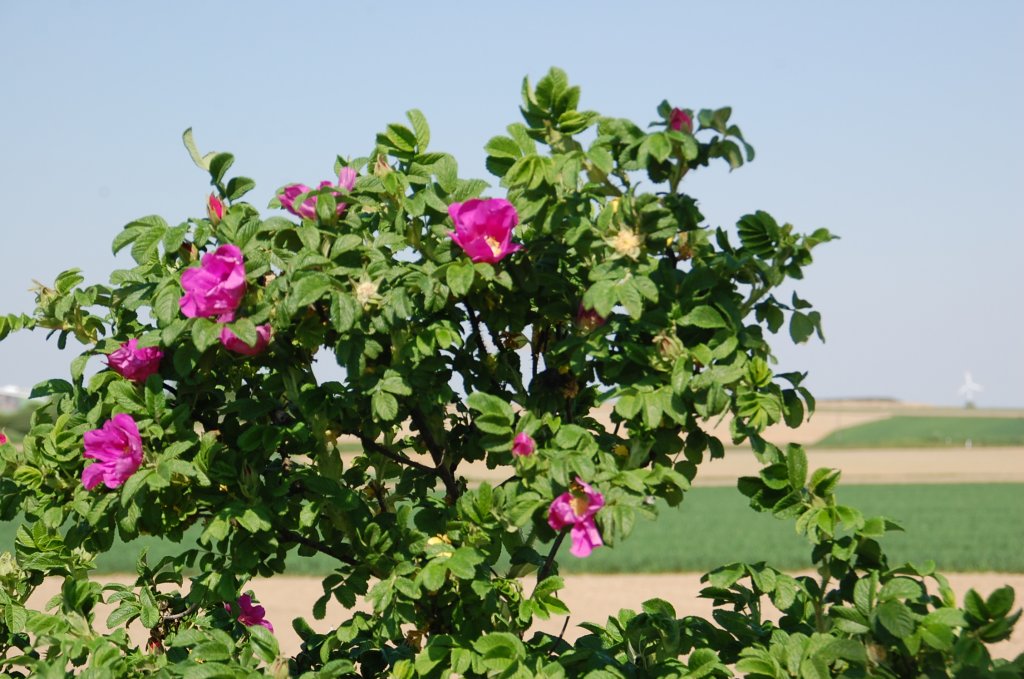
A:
[969,389]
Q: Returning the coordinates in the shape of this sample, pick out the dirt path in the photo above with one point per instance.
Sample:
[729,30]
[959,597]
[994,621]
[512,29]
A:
[590,598]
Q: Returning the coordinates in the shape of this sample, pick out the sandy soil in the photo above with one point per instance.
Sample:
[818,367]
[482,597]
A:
[903,465]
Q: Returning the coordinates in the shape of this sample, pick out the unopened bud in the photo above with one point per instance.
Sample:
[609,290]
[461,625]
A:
[680,121]
[214,209]
[588,320]
[381,168]
[669,346]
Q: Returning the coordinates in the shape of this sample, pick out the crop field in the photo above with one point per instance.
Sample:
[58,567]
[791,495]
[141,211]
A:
[904,431]
[962,527]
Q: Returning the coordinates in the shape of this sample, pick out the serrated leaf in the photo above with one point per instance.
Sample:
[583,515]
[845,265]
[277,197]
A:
[896,618]
[459,278]
[796,465]
[205,333]
[309,289]
[704,317]
[503,147]
[384,405]
[420,128]
[900,588]
[150,613]
[263,643]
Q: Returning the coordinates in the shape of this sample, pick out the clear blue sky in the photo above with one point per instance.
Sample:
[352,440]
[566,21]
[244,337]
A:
[896,125]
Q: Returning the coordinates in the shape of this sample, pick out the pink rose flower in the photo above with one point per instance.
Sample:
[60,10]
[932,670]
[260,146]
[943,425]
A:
[117,447]
[523,444]
[214,209]
[250,615]
[588,319]
[307,208]
[216,287]
[483,228]
[3,438]
[577,508]
[232,342]
[680,121]
[134,363]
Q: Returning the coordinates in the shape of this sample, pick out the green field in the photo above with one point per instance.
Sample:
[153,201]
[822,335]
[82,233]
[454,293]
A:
[906,431]
[963,527]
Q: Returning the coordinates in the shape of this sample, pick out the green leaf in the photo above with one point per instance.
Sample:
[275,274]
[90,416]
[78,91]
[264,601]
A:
[308,289]
[401,138]
[896,618]
[659,146]
[420,128]
[384,405]
[900,588]
[15,617]
[758,233]
[704,317]
[263,643]
[205,333]
[245,330]
[601,297]
[503,147]
[165,302]
[485,404]
[433,575]
[239,186]
[395,384]
[796,465]
[800,327]
[1000,601]
[343,311]
[459,277]
[201,161]
[499,650]
[219,165]
[150,611]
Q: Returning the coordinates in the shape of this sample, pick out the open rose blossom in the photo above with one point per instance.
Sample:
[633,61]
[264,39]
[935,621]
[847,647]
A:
[483,228]
[3,438]
[216,287]
[577,508]
[307,208]
[232,342]
[680,121]
[523,444]
[133,362]
[250,615]
[214,209]
[117,449]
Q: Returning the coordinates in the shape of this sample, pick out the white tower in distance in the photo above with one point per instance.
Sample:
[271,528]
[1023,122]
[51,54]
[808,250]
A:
[968,389]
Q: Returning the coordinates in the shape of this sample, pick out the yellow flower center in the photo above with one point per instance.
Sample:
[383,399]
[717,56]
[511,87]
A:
[493,244]
[579,504]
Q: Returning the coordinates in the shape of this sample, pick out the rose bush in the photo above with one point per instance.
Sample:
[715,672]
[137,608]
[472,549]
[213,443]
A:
[469,329]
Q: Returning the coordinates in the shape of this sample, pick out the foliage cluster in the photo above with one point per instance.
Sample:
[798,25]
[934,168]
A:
[618,294]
